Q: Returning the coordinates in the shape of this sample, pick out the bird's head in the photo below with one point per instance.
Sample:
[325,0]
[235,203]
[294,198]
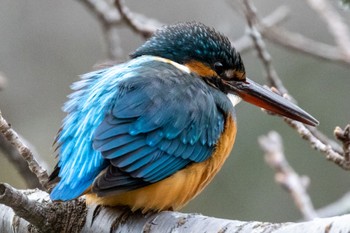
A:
[211,56]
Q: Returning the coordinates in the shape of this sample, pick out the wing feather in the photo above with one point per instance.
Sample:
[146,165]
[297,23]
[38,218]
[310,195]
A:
[135,124]
[173,119]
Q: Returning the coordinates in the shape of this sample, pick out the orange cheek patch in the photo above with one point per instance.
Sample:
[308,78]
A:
[239,75]
[235,74]
[200,69]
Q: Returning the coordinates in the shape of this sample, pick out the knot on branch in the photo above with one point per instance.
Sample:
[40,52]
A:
[343,135]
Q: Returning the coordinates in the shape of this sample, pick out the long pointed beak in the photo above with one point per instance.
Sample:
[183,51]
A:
[255,94]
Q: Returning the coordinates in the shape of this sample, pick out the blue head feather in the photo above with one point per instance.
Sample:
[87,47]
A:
[188,41]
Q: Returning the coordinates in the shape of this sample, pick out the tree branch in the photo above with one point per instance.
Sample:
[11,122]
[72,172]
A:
[11,136]
[285,175]
[36,207]
[114,15]
[244,43]
[318,145]
[260,46]
[335,23]
[300,43]
[344,137]
[12,155]
[324,139]
[3,81]
[339,207]
[140,24]
[109,18]
[253,22]
[33,209]
[104,11]
[75,216]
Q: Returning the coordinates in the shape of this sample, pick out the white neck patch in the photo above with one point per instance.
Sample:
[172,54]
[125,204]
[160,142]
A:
[235,99]
[177,65]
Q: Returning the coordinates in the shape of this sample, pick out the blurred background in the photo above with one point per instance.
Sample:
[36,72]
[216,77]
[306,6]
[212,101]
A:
[45,45]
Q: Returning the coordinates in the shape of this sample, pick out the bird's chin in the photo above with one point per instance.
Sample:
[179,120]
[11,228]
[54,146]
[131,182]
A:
[235,99]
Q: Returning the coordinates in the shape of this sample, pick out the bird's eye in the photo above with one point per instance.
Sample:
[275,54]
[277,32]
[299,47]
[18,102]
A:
[219,68]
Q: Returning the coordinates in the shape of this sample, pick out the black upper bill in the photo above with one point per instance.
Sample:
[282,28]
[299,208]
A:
[255,94]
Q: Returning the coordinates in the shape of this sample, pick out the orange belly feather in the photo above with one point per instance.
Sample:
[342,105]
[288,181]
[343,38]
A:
[178,189]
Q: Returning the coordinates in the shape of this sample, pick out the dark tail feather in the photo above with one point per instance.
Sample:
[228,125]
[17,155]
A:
[53,178]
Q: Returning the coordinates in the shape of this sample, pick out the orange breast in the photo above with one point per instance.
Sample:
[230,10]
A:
[177,190]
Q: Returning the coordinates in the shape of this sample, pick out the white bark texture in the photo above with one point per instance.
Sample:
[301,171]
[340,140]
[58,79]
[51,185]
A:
[77,217]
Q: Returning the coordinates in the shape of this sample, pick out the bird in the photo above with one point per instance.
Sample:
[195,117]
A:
[152,132]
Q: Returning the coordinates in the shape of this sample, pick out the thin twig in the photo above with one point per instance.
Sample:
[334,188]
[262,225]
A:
[113,15]
[243,44]
[337,208]
[300,43]
[24,151]
[138,23]
[318,145]
[12,155]
[260,46]
[104,11]
[343,135]
[113,41]
[109,18]
[325,139]
[285,174]
[3,81]
[335,23]
[279,15]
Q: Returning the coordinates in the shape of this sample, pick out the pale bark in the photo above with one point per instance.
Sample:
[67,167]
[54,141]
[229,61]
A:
[44,216]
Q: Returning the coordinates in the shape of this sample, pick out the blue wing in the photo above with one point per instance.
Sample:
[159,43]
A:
[163,120]
[135,124]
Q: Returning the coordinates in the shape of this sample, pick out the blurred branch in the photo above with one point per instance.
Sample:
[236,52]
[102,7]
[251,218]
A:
[109,19]
[335,23]
[103,10]
[260,46]
[12,137]
[279,15]
[322,144]
[3,81]
[138,23]
[339,207]
[285,175]
[114,15]
[300,43]
[13,156]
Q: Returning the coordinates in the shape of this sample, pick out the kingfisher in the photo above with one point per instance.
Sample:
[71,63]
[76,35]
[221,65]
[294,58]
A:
[151,133]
